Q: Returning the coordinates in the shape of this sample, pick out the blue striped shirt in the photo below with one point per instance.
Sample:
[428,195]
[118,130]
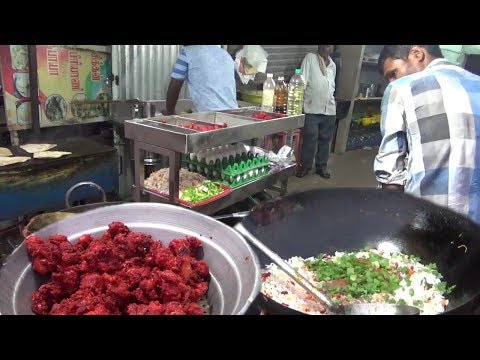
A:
[210,74]
[431,127]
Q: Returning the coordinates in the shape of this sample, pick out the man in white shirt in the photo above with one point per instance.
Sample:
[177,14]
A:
[319,106]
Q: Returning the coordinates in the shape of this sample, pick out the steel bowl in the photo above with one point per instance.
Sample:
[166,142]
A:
[234,267]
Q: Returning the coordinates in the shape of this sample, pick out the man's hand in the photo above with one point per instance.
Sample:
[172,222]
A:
[167,113]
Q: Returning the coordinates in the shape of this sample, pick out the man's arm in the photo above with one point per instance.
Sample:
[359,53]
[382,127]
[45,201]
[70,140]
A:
[389,164]
[172,95]
[179,74]
[306,68]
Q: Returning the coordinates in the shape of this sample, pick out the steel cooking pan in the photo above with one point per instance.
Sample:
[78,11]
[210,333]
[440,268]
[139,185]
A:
[344,219]
[234,267]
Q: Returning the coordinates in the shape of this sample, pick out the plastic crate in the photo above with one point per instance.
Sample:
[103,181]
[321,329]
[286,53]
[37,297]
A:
[232,172]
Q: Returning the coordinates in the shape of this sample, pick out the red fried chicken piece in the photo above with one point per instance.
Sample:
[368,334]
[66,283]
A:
[174,308]
[150,256]
[194,245]
[150,289]
[201,268]
[159,257]
[102,256]
[137,244]
[99,310]
[192,309]
[139,296]
[117,227]
[58,239]
[42,265]
[186,269]
[185,247]
[84,241]
[173,288]
[117,289]
[34,245]
[199,290]
[133,262]
[45,255]
[84,301]
[68,279]
[173,263]
[70,254]
[45,297]
[92,282]
[153,308]
[134,275]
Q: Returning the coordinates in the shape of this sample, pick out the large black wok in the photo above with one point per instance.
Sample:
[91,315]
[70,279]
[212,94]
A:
[343,219]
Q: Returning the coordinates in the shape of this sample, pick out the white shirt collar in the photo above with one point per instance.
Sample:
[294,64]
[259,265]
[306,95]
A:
[434,62]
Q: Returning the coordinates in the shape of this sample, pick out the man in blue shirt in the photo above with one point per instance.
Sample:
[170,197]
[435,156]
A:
[210,74]
[430,126]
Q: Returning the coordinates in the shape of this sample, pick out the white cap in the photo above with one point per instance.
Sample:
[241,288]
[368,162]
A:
[280,78]
[269,75]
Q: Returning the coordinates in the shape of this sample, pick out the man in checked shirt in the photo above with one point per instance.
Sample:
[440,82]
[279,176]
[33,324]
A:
[431,127]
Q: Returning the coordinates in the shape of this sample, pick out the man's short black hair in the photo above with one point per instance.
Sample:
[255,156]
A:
[402,51]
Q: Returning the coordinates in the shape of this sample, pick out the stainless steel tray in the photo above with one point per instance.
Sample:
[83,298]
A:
[170,136]
[234,268]
[248,112]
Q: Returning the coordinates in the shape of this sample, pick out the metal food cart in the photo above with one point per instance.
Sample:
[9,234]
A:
[163,135]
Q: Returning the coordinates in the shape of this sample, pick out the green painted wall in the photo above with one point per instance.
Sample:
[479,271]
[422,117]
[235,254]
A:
[456,53]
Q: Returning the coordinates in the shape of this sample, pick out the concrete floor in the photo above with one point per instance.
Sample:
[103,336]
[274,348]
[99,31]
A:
[351,169]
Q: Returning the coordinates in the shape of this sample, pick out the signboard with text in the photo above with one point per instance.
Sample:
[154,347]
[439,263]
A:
[68,76]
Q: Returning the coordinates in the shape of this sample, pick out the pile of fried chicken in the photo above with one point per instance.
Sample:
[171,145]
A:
[119,273]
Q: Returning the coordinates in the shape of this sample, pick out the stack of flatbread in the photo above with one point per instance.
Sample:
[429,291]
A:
[34,148]
[4,152]
[39,151]
[6,157]
[50,154]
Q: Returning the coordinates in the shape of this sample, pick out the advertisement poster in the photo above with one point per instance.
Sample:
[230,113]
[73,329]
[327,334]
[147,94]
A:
[16,86]
[68,76]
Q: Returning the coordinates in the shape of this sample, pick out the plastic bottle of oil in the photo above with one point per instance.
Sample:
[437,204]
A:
[296,89]
[281,93]
[268,94]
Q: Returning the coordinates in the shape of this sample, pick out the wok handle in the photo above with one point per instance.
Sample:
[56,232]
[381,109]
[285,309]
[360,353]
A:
[295,275]
[85,183]
[233,215]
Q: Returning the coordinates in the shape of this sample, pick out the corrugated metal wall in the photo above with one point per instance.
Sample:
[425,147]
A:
[144,71]
[282,59]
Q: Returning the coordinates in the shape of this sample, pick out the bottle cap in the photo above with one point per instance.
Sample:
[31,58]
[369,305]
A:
[269,75]
[280,78]
[298,71]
